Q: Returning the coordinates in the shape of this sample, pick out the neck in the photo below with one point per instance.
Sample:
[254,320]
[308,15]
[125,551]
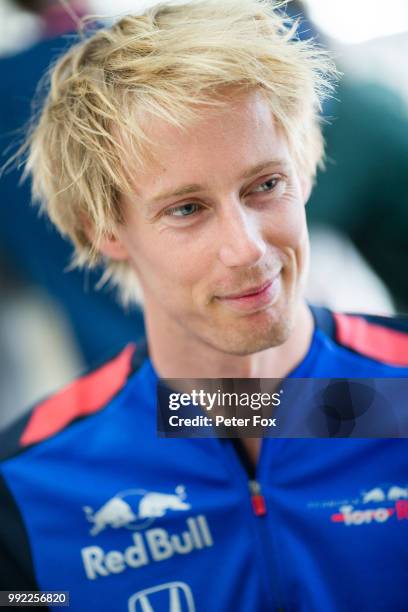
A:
[187,357]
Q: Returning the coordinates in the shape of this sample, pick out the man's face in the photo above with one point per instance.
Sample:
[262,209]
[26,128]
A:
[216,230]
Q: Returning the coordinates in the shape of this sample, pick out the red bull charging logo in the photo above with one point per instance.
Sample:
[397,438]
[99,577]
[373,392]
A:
[135,509]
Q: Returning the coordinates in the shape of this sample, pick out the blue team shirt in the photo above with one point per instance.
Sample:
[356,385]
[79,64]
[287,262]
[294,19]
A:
[124,520]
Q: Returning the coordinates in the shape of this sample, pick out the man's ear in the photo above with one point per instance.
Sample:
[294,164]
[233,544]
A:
[109,245]
[112,247]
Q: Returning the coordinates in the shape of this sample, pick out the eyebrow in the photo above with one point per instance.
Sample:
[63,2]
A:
[195,188]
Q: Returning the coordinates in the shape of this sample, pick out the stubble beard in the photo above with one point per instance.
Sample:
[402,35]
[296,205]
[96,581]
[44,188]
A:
[249,334]
[262,335]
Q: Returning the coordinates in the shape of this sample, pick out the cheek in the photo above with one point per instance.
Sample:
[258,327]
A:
[167,260]
[286,225]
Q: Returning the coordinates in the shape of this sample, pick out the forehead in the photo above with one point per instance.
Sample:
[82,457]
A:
[219,147]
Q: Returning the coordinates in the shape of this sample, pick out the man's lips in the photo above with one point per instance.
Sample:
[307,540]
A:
[254,298]
[248,292]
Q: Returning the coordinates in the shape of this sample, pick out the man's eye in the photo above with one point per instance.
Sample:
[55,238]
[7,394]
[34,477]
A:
[185,210]
[268,185]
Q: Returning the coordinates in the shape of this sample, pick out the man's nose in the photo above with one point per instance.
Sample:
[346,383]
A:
[240,237]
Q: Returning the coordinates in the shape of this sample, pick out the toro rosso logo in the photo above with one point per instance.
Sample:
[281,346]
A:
[369,513]
[135,509]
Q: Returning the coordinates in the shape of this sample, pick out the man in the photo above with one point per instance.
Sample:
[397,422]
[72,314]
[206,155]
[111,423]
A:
[180,146]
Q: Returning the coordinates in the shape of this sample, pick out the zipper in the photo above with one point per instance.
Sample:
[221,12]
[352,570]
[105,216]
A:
[269,565]
[257,499]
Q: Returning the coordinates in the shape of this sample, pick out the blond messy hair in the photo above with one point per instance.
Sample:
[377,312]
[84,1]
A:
[163,64]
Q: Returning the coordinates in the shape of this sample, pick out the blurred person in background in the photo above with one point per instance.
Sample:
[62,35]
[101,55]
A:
[198,128]
[33,254]
[363,191]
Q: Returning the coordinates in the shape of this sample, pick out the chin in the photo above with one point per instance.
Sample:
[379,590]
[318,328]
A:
[261,332]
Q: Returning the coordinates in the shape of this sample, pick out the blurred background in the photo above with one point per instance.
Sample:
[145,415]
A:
[55,324]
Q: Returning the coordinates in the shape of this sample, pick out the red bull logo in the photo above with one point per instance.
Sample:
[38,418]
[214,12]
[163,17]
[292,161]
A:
[135,509]
[379,495]
[152,545]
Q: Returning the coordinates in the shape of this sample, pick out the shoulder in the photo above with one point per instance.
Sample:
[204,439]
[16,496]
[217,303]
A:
[87,395]
[380,338]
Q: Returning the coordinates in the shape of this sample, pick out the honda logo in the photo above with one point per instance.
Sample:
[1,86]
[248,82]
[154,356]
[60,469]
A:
[171,596]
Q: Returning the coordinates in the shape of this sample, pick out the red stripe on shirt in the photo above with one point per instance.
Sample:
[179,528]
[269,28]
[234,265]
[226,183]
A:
[381,343]
[80,398]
